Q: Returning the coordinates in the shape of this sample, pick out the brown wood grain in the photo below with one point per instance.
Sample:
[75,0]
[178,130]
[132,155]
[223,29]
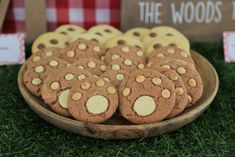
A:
[118,128]
[3,10]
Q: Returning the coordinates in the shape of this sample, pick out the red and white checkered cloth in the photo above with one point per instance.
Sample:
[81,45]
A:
[85,13]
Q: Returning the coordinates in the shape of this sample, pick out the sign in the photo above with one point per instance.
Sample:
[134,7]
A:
[12,50]
[229,46]
[200,20]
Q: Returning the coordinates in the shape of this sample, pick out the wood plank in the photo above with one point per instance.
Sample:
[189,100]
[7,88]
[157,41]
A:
[4,4]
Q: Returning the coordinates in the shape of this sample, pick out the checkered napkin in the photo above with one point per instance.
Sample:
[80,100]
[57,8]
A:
[85,13]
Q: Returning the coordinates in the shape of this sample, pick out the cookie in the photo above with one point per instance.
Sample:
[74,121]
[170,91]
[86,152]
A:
[138,32]
[123,40]
[105,31]
[70,30]
[93,100]
[37,72]
[50,39]
[92,65]
[160,31]
[146,96]
[124,51]
[190,76]
[115,77]
[44,54]
[90,36]
[125,64]
[165,41]
[82,48]
[170,51]
[180,90]
[57,85]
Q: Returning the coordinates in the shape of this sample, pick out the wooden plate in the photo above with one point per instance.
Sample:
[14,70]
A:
[119,128]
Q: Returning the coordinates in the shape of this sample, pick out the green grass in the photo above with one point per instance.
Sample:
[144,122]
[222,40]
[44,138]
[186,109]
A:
[23,133]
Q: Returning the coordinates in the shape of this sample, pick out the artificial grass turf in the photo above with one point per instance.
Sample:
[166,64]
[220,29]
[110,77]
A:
[23,133]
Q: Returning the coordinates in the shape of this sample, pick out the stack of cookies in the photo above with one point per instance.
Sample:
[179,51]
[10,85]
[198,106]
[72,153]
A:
[146,75]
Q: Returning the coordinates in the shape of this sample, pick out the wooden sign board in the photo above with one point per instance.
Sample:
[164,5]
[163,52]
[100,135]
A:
[200,20]
[3,10]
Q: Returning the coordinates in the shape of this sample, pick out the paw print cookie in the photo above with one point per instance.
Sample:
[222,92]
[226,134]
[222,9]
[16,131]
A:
[93,100]
[123,40]
[56,88]
[126,65]
[105,31]
[92,65]
[115,77]
[50,39]
[82,48]
[146,96]
[190,76]
[170,51]
[161,31]
[90,36]
[167,41]
[37,72]
[138,32]
[124,51]
[70,30]
[180,90]
[44,54]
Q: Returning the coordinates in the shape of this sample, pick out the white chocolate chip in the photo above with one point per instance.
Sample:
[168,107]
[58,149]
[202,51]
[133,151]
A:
[97,49]
[170,50]
[128,62]
[116,67]
[166,66]
[181,70]
[36,81]
[36,58]
[125,49]
[111,90]
[81,77]
[149,64]
[119,77]
[106,79]
[139,53]
[192,82]
[184,54]
[166,93]
[39,69]
[103,67]
[69,77]
[55,85]
[91,64]
[77,96]
[141,66]
[96,76]
[160,55]
[68,65]
[82,46]
[97,104]
[174,77]
[102,58]
[85,85]
[63,98]
[53,63]
[70,54]
[179,91]
[49,53]
[81,67]
[100,83]
[156,80]
[126,92]
[144,106]
[190,99]
[115,57]
[140,78]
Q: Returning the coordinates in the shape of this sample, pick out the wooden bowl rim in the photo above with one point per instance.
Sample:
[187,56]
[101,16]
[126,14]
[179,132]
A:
[129,126]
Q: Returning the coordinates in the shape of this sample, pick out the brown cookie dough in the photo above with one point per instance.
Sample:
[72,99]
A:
[190,76]
[124,51]
[56,88]
[146,96]
[92,65]
[180,90]
[36,73]
[115,77]
[170,51]
[126,65]
[82,48]
[44,54]
[93,100]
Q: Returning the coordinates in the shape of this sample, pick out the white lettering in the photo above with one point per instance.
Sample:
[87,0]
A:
[189,12]
[177,16]
[200,10]
[141,5]
[218,11]
[233,14]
